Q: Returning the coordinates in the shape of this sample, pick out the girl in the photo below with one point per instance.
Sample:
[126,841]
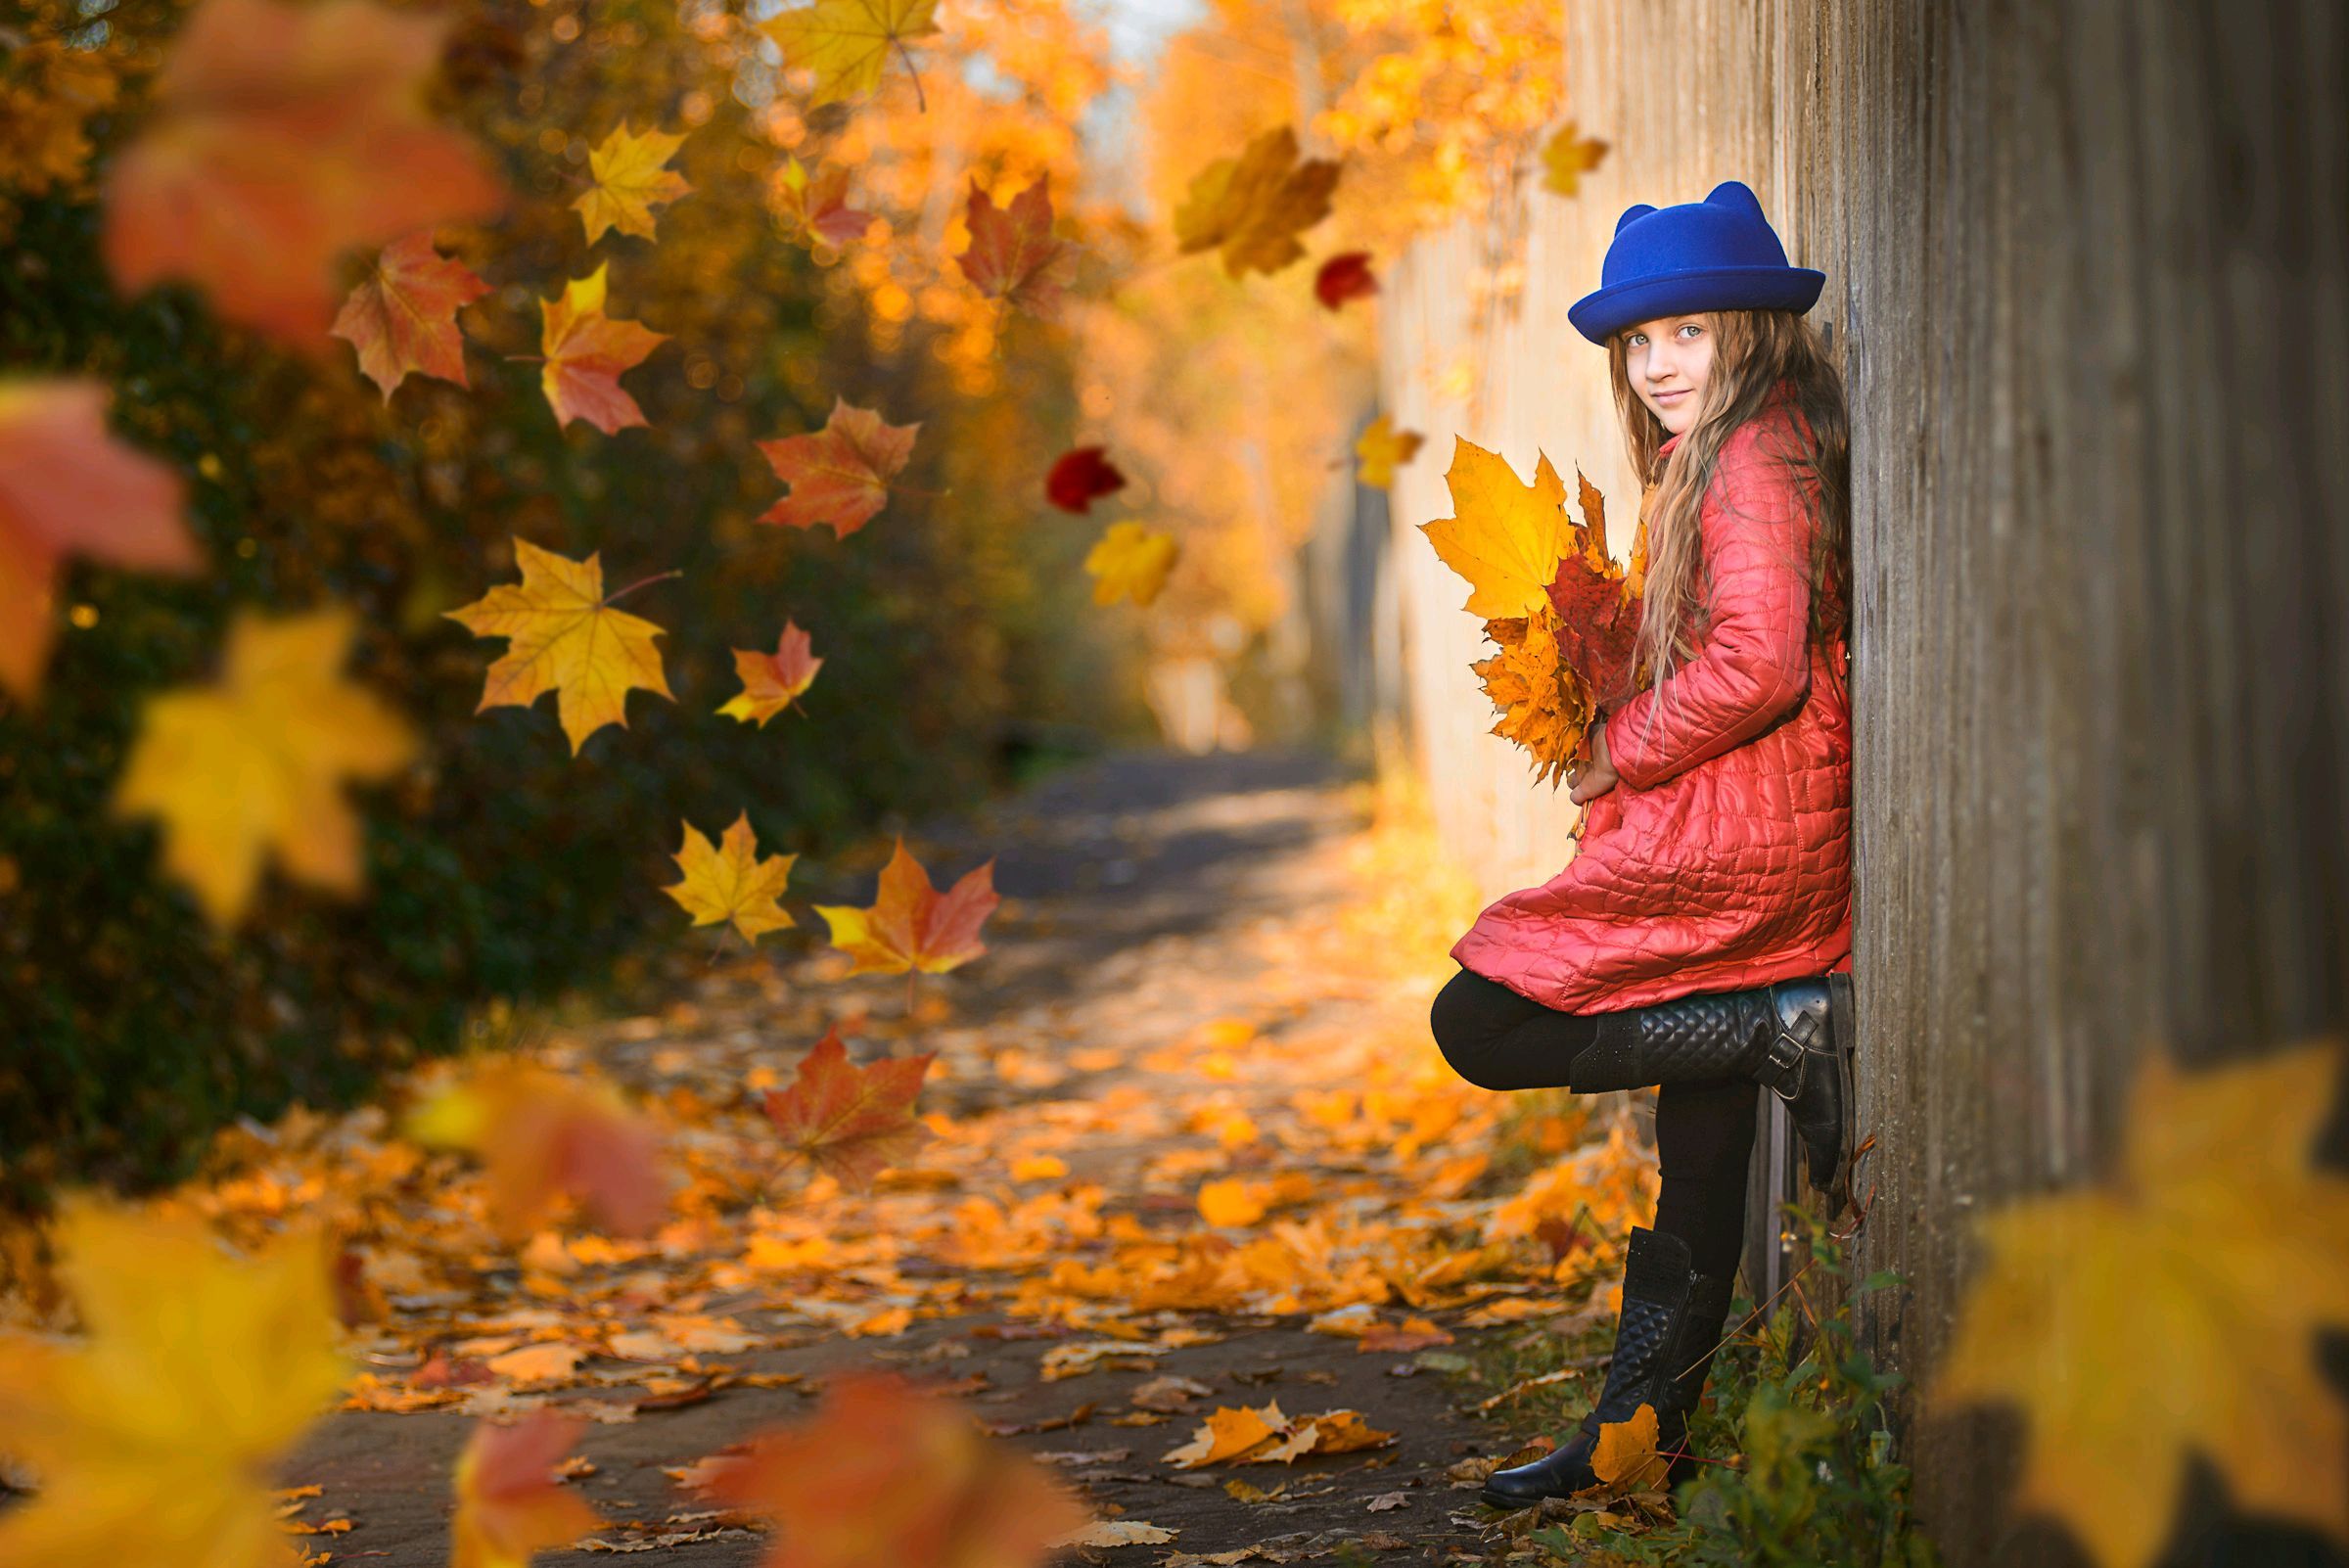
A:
[1700,939]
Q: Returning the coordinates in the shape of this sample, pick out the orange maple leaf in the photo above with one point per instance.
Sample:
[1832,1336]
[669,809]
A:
[586,352]
[509,1504]
[1013,256]
[888,1473]
[541,1135]
[909,925]
[1626,1457]
[279,137]
[837,474]
[403,317]
[67,488]
[771,682]
[819,204]
[845,1121]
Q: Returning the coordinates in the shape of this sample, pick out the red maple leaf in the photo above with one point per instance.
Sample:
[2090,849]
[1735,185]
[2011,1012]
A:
[1079,475]
[847,1121]
[837,474]
[1597,604]
[1013,256]
[403,317]
[1345,277]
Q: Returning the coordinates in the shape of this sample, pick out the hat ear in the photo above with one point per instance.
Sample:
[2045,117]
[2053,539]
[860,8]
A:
[1735,194]
[1637,210]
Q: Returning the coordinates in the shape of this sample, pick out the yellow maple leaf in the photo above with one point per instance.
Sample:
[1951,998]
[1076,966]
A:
[2175,1306]
[256,762]
[1383,449]
[1132,561]
[848,42]
[1626,1456]
[1506,537]
[732,883]
[1567,157]
[157,1434]
[1253,207]
[565,637]
[629,181]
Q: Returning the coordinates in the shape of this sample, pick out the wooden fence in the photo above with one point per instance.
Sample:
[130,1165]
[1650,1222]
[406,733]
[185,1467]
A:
[2086,281]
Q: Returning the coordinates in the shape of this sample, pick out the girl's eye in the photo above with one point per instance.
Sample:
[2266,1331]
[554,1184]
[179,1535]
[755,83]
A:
[1691,326]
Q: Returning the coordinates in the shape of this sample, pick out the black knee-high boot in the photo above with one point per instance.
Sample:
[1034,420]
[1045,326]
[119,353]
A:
[1665,1338]
[1796,1036]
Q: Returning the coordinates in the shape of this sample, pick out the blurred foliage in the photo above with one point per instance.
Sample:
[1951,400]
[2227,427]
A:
[498,866]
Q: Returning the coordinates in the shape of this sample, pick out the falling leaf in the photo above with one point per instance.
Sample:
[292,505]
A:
[155,1436]
[850,1122]
[543,1136]
[586,353]
[1567,157]
[771,681]
[732,883]
[1254,207]
[1626,1457]
[255,763]
[629,182]
[509,1504]
[565,637]
[1506,537]
[1383,449]
[819,206]
[2174,1307]
[886,1473]
[67,488]
[910,925]
[1131,560]
[1079,476]
[848,42]
[1013,256]
[1343,277]
[839,475]
[277,136]
[403,317]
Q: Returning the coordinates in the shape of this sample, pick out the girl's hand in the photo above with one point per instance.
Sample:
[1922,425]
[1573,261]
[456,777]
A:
[1599,777]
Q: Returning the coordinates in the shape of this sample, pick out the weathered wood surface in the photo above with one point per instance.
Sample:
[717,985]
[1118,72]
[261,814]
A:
[2086,276]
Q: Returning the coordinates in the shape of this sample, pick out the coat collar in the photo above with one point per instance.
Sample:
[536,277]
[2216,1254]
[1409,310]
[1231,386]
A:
[1782,392]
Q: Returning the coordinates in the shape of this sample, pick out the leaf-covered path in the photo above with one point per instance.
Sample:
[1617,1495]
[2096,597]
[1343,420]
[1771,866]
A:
[1203,996]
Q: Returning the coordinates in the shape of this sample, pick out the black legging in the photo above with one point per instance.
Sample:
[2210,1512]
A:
[1498,1039]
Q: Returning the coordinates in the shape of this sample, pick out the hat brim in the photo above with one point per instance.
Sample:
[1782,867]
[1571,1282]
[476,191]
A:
[1599,316]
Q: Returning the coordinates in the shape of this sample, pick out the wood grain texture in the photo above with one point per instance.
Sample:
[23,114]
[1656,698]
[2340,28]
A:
[2086,278]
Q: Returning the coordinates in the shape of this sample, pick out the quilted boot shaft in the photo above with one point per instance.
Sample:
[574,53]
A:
[1712,1035]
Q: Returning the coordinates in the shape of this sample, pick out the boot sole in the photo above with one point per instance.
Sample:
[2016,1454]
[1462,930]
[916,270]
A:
[1843,1025]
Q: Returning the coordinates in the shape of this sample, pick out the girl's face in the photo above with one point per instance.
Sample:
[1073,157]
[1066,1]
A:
[1668,359]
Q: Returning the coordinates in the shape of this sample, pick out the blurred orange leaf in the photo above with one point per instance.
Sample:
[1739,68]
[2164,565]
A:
[509,1504]
[256,762]
[910,925]
[2174,1307]
[586,353]
[1567,157]
[1013,256]
[1383,449]
[732,883]
[771,682]
[564,636]
[404,316]
[629,182]
[837,474]
[819,204]
[276,137]
[154,1436]
[1253,207]
[850,1122]
[541,1135]
[69,488]
[886,1473]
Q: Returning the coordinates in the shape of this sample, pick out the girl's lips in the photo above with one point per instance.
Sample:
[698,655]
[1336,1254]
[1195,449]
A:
[1672,397]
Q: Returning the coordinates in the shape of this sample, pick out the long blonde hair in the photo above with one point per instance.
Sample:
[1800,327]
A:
[1753,352]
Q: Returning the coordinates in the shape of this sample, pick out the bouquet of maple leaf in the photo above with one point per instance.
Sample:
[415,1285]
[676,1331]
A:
[1564,613]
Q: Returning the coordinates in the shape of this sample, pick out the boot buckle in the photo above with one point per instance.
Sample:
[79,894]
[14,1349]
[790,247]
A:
[1785,1055]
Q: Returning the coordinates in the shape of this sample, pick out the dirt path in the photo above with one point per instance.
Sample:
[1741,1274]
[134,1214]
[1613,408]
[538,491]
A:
[1200,973]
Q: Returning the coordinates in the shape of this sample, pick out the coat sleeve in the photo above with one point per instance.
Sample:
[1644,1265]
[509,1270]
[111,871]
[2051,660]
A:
[1755,662]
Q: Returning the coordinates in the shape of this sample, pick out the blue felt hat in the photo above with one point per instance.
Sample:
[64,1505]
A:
[1720,254]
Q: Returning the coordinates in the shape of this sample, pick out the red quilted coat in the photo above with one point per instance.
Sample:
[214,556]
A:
[1723,859]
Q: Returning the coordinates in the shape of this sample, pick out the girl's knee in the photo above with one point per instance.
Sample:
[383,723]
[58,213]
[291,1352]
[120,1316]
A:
[1462,1034]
